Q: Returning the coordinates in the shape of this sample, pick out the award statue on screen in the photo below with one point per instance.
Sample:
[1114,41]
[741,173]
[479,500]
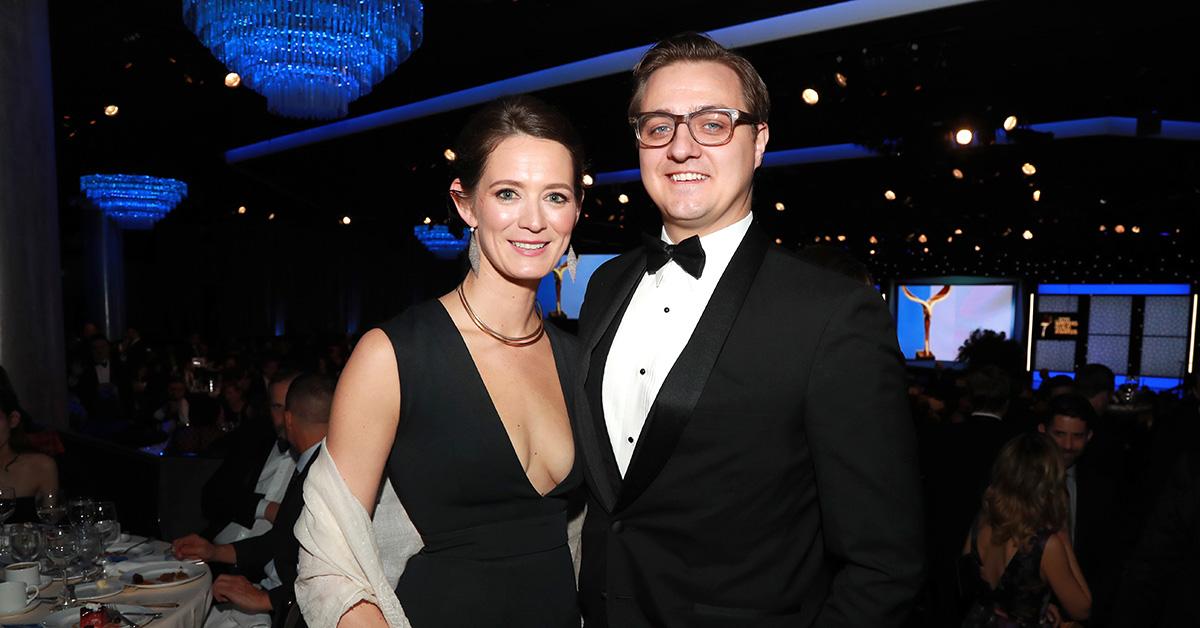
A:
[569,265]
[927,307]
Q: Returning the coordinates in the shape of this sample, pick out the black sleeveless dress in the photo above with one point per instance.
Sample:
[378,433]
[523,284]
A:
[1020,597]
[495,549]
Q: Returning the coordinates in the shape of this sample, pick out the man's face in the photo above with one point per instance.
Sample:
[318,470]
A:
[700,189]
[278,398]
[1070,434]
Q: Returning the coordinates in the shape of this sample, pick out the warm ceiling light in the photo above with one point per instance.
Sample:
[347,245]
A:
[810,96]
[840,78]
[964,136]
[949,239]
[889,195]
[622,199]
[1027,234]
[233,79]
[271,216]
[780,206]
[958,174]
[872,251]
[449,155]
[427,220]
[958,232]
[922,239]
[873,240]
[588,181]
[978,248]
[1037,195]
[1119,228]
[241,209]
[111,110]
[1136,229]
[1028,169]
[345,220]
[1010,123]
[1103,228]
[817,239]
[926,249]
[841,238]
[778,241]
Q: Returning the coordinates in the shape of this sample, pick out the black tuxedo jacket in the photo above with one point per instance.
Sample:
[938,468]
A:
[775,481]
[278,544]
[229,495]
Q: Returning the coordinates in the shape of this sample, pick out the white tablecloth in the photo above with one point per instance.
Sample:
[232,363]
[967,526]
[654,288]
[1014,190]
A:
[193,598]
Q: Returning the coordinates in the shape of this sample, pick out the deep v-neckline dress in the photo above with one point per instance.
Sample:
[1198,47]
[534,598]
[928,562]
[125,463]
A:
[495,549]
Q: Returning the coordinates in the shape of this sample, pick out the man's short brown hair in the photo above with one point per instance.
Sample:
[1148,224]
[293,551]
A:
[695,48]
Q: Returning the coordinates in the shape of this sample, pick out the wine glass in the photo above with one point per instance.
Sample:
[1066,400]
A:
[82,511]
[90,544]
[62,549]
[107,522]
[8,502]
[50,507]
[27,542]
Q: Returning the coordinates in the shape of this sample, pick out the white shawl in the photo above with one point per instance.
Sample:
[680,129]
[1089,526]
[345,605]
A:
[347,557]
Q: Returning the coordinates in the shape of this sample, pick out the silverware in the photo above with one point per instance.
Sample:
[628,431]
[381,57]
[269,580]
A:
[155,604]
[126,550]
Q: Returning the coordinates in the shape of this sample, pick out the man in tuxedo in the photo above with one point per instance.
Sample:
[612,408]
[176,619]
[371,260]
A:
[307,421]
[743,424]
[242,498]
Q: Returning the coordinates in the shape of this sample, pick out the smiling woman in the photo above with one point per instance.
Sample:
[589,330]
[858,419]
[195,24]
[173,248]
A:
[462,403]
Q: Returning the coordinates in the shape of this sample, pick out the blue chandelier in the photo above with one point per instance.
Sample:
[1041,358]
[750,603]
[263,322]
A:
[310,58]
[440,242]
[134,201]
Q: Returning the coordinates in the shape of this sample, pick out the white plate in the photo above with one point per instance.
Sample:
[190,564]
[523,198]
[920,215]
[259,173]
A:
[69,617]
[151,571]
[34,602]
[99,589]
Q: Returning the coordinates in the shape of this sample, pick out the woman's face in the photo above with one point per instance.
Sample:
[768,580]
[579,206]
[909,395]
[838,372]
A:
[524,208]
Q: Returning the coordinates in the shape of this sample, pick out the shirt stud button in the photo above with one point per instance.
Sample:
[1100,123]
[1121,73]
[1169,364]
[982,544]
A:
[642,371]
[631,439]
[667,310]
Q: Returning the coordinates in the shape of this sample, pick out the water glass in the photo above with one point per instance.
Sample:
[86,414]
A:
[107,522]
[51,508]
[82,511]
[62,549]
[27,543]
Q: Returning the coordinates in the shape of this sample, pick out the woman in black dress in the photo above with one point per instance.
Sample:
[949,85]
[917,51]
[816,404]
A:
[1018,552]
[462,401]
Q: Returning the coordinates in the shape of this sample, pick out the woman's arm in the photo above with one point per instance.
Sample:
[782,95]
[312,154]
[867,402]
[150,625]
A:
[362,428]
[366,410]
[1061,571]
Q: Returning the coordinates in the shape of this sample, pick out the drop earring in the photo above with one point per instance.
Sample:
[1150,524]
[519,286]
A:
[572,261]
[473,252]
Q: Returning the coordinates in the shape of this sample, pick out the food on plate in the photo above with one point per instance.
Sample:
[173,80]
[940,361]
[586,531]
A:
[98,616]
[166,578]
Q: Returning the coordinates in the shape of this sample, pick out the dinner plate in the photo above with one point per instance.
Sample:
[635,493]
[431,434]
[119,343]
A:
[69,617]
[151,572]
[99,589]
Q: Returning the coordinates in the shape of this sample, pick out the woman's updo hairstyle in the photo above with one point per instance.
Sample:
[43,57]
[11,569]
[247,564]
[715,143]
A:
[508,117]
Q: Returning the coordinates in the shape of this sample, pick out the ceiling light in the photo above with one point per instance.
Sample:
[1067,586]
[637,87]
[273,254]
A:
[1136,229]
[588,181]
[889,195]
[271,216]
[449,155]
[873,240]
[958,232]
[1119,228]
[1010,123]
[1028,169]
[1103,228]
[1028,235]
[922,239]
[241,210]
[1037,195]
[810,96]
[427,221]
[978,248]
[111,110]
[841,238]
[345,220]
[622,199]
[779,206]
[233,79]
[958,174]
[840,78]
[964,136]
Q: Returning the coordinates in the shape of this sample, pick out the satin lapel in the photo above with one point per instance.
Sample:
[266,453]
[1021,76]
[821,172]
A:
[592,433]
[682,388]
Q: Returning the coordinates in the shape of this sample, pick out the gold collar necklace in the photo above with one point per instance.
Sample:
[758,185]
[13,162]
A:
[512,341]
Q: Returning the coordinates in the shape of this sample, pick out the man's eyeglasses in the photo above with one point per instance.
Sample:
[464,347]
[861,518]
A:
[709,127]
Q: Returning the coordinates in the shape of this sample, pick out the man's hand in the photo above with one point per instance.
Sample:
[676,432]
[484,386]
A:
[271,512]
[196,547]
[241,593]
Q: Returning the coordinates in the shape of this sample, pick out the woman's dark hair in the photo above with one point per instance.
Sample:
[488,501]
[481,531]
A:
[509,117]
[17,439]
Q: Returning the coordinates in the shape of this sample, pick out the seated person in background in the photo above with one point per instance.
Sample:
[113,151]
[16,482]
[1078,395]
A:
[1018,552]
[306,420]
[26,471]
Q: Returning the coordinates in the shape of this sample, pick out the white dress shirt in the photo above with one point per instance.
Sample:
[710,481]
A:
[656,326]
[272,483]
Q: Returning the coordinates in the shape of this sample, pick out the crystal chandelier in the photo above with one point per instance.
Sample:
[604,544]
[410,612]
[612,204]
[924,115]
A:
[440,242]
[134,201]
[310,58]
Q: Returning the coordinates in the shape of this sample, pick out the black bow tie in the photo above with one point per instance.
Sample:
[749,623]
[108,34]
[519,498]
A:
[689,255]
[282,444]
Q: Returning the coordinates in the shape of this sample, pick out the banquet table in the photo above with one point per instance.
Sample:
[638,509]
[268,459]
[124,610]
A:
[193,598]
